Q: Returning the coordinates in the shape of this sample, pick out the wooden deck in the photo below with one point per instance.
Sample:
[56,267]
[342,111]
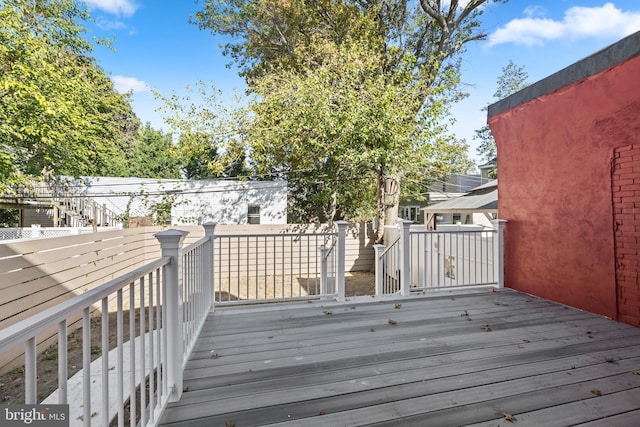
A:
[476,358]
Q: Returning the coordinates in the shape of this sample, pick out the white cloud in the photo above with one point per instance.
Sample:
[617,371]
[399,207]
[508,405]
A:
[124,84]
[578,22]
[107,24]
[532,11]
[115,7]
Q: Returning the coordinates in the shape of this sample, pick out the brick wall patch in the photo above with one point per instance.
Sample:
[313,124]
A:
[625,190]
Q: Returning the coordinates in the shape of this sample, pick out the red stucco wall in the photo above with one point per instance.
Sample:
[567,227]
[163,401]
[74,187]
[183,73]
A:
[554,170]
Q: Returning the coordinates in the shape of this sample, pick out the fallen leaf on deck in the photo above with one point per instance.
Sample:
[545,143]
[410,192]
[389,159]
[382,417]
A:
[186,389]
[398,305]
[392,322]
[327,312]
[270,337]
[372,330]
[636,372]
[610,359]
[321,413]
[94,414]
[525,340]
[486,328]
[509,417]
[215,356]
[465,313]
[596,392]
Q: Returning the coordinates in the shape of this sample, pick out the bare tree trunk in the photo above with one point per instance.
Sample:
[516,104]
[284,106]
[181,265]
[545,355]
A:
[380,208]
[388,192]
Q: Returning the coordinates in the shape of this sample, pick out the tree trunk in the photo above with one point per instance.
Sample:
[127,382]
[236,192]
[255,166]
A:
[388,192]
[380,208]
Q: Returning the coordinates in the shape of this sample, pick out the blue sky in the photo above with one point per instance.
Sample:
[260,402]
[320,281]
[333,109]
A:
[155,46]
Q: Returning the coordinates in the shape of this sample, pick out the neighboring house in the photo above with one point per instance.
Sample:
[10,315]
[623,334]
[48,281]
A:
[193,201]
[454,186]
[569,168]
[488,170]
[478,207]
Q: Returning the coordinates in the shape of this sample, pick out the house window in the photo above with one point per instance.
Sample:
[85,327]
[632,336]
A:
[253,214]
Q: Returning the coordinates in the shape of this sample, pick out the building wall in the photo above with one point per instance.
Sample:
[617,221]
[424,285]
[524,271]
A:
[197,201]
[625,189]
[555,168]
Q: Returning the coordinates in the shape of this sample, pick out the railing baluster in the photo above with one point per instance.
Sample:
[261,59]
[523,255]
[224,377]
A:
[62,362]
[152,375]
[120,357]
[143,397]
[30,372]
[105,361]
[132,356]
[86,366]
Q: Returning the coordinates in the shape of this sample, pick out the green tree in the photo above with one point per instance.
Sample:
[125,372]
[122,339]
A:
[208,141]
[338,131]
[58,110]
[152,155]
[415,47]
[512,79]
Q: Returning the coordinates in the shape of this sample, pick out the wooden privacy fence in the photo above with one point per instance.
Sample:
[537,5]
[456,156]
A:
[38,274]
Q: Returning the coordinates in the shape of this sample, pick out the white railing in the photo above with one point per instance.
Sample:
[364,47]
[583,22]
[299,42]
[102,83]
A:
[388,268]
[167,302]
[277,267]
[423,260]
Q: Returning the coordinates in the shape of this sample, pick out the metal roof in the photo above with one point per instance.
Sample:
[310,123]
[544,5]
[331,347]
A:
[480,199]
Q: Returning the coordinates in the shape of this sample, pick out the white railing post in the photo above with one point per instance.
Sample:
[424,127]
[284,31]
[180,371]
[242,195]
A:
[340,271]
[209,229]
[36,231]
[171,244]
[378,250]
[405,257]
[498,251]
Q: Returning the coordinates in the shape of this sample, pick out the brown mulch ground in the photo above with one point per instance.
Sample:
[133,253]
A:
[12,383]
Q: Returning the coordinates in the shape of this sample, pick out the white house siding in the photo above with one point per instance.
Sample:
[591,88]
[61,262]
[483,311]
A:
[197,202]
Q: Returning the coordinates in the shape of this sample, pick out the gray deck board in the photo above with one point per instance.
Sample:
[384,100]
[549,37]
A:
[343,364]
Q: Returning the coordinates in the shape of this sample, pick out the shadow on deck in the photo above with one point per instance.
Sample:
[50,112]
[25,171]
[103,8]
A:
[449,359]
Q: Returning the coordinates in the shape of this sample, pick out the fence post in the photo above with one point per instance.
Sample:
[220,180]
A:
[323,270]
[36,231]
[498,251]
[340,271]
[405,257]
[209,229]
[171,245]
[378,250]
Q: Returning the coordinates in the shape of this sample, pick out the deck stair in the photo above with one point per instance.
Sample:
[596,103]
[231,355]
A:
[72,208]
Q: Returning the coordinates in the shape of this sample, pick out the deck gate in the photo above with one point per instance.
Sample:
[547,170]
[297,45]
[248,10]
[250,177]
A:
[422,260]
